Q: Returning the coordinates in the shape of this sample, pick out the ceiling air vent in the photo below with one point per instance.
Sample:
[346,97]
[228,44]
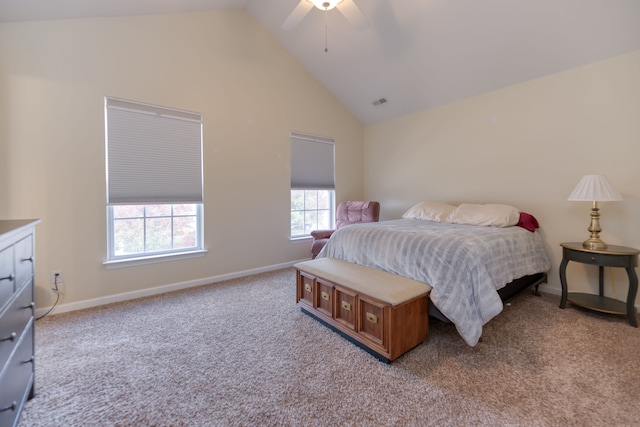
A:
[379,101]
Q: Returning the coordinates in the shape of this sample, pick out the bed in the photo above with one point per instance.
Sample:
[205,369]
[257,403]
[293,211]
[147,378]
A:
[472,263]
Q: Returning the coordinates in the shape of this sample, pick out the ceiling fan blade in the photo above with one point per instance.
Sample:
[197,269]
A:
[351,11]
[297,15]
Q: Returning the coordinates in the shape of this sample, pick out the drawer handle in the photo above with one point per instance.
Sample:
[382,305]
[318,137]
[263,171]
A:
[31,305]
[346,305]
[29,360]
[307,287]
[11,337]
[325,296]
[372,317]
[10,277]
[13,407]
[30,259]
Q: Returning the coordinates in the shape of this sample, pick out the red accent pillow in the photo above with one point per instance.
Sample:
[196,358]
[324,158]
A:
[528,222]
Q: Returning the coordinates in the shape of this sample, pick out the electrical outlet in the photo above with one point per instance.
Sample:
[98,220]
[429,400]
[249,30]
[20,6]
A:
[59,279]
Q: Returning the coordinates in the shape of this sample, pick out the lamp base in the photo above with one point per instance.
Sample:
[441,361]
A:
[595,244]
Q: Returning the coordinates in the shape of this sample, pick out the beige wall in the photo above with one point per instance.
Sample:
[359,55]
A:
[53,78]
[527,145]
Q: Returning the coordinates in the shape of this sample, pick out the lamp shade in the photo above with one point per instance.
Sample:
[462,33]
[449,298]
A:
[594,188]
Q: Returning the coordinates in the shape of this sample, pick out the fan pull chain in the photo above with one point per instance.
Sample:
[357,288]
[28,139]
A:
[326,13]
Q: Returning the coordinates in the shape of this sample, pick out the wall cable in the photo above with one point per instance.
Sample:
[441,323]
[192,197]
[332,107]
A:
[57,291]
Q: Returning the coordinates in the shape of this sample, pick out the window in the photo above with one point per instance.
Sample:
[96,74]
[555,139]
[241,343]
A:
[157,229]
[312,184]
[311,210]
[154,181]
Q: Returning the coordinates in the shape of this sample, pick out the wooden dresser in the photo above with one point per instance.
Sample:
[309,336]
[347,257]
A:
[17,321]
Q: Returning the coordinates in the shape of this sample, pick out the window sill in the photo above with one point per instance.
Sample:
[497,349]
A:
[131,262]
[301,239]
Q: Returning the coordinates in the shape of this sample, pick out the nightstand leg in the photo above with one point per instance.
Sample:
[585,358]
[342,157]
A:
[631,298]
[563,282]
[601,280]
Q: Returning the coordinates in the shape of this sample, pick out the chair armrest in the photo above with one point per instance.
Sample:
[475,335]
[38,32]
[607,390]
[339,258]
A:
[322,234]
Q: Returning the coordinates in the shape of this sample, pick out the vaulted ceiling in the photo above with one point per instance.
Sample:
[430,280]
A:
[416,54]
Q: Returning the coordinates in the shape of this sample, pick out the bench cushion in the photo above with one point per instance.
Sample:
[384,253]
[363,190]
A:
[387,287]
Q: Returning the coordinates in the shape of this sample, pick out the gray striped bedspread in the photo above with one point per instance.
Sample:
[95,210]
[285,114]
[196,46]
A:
[464,264]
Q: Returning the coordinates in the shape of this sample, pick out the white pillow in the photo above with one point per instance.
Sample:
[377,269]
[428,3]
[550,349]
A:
[432,211]
[492,215]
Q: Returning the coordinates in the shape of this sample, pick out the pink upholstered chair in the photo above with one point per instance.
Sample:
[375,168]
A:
[347,213]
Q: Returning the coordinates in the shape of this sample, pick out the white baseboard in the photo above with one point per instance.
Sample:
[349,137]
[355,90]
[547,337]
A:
[94,302]
[62,308]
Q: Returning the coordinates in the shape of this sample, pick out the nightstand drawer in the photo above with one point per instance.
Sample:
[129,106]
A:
[599,259]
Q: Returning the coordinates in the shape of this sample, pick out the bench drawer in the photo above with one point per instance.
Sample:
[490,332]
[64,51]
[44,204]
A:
[372,320]
[345,307]
[324,297]
[305,288]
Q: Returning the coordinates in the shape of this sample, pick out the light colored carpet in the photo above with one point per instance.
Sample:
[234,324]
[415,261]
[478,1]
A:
[240,353]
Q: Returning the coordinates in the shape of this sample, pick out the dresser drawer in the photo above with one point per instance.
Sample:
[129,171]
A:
[14,320]
[23,253]
[17,379]
[7,282]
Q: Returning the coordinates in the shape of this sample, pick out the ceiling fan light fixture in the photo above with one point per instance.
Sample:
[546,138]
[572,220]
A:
[325,4]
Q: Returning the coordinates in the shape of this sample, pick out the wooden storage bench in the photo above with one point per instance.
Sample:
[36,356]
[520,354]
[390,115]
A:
[383,313]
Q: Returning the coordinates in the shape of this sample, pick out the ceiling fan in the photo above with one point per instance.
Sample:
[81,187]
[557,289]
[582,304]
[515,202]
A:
[347,7]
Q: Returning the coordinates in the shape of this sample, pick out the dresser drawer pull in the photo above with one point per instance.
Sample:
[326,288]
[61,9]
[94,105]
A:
[307,287]
[372,317]
[346,305]
[593,258]
[30,259]
[31,305]
[325,296]
[10,277]
[13,407]
[29,360]
[11,337]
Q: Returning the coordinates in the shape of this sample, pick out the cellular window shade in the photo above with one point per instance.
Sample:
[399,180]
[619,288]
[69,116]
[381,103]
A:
[154,154]
[312,162]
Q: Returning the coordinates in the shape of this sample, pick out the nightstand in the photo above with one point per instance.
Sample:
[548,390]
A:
[613,256]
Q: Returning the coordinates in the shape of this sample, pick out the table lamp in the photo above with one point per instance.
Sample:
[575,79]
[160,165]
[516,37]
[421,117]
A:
[594,188]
